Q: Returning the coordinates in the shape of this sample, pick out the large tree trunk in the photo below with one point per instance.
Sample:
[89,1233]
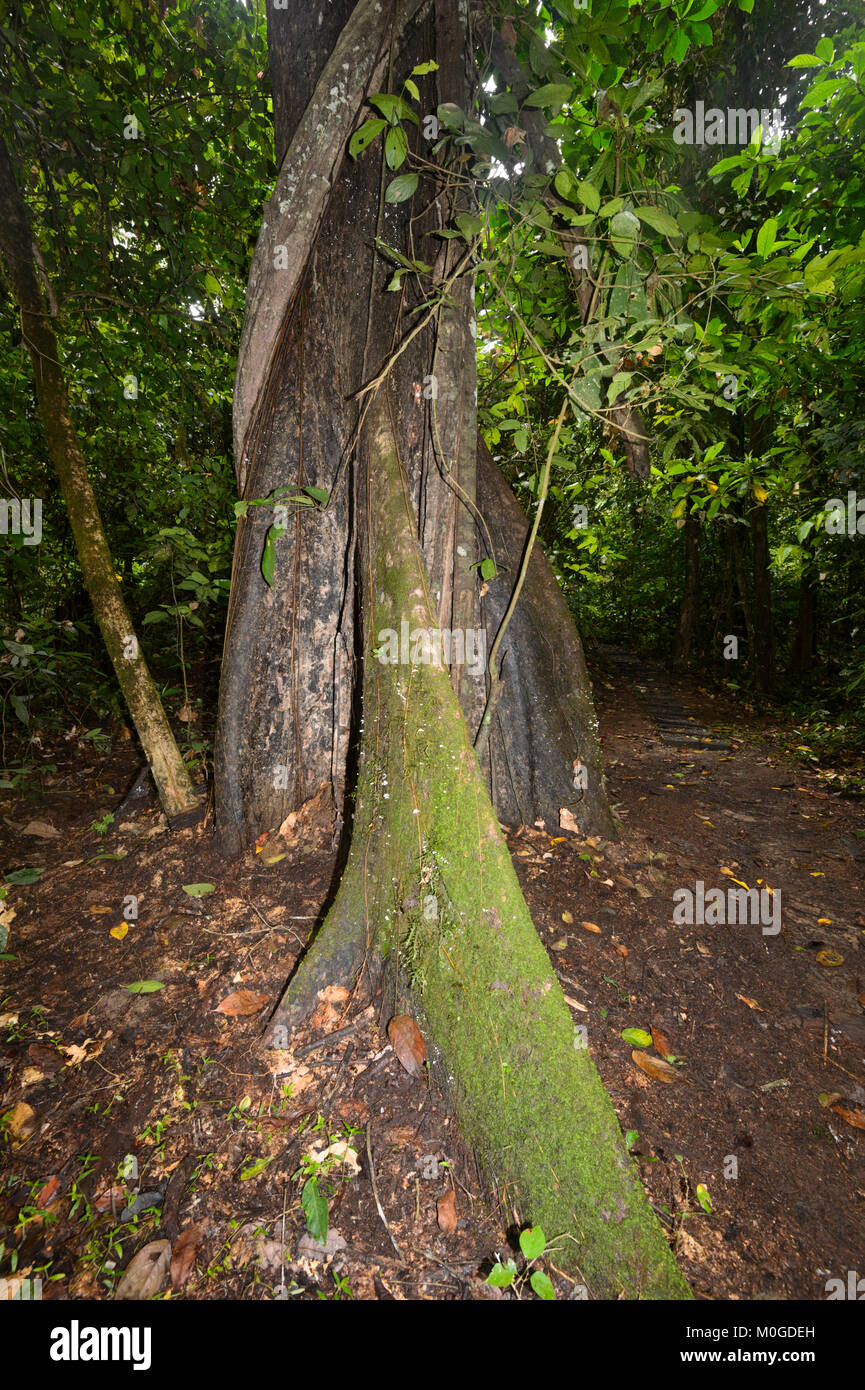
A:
[169,771]
[289,692]
[429,888]
[429,885]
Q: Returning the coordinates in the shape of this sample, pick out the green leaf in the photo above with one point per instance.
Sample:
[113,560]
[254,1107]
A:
[315,1210]
[532,1242]
[318,494]
[552,94]
[502,1276]
[401,188]
[212,285]
[636,1037]
[660,221]
[564,183]
[804,60]
[825,50]
[394,108]
[252,1170]
[488,568]
[703,1198]
[469,225]
[395,147]
[766,237]
[588,195]
[198,890]
[145,986]
[364,135]
[423,69]
[542,1286]
[24,876]
[268,556]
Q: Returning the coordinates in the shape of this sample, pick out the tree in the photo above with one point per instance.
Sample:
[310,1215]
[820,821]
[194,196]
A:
[355,432]
[169,771]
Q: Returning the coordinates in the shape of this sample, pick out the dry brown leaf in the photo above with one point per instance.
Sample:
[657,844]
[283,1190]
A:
[183,1255]
[146,1272]
[856,1118]
[591,926]
[752,1003]
[43,829]
[48,1193]
[568,917]
[20,1121]
[446,1212]
[655,1067]
[567,822]
[661,1043]
[560,945]
[508,32]
[242,1003]
[98,911]
[407,1043]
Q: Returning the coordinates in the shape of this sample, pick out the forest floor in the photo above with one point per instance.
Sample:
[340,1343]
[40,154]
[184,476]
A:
[135,1118]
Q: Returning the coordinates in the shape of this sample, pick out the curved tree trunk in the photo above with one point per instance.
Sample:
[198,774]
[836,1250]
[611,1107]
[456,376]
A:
[429,887]
[177,794]
[289,690]
[429,884]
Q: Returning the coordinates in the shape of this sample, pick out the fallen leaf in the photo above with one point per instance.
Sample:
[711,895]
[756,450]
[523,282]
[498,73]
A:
[99,911]
[568,917]
[654,1067]
[43,829]
[146,1272]
[48,1193]
[242,1003]
[567,822]
[198,890]
[446,1212]
[407,1042]
[661,1043]
[560,945]
[829,958]
[317,1250]
[752,1003]
[827,1098]
[183,1255]
[20,1121]
[591,926]
[575,1004]
[856,1118]
[637,1037]
[120,931]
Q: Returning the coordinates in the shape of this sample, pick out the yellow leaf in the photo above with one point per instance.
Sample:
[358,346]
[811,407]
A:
[824,921]
[829,958]
[760,493]
[119,932]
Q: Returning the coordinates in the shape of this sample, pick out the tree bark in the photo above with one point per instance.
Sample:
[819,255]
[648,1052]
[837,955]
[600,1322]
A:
[290,690]
[169,771]
[429,886]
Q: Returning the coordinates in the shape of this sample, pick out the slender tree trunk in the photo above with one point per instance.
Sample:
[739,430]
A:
[169,771]
[690,609]
[764,640]
[804,650]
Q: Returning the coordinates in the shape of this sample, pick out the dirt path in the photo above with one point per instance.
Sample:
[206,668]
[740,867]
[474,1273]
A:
[150,1115]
